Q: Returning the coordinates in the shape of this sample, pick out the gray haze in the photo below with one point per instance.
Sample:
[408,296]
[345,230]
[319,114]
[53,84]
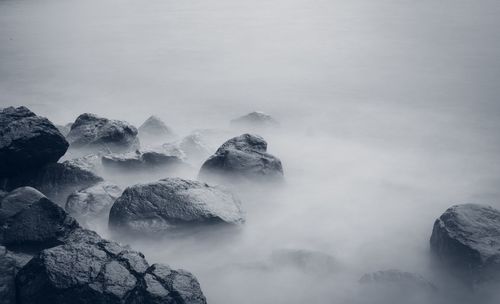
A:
[389,114]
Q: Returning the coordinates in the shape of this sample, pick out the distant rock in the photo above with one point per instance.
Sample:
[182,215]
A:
[255,120]
[93,202]
[56,181]
[17,200]
[195,147]
[64,129]
[467,237]
[308,261]
[155,130]
[173,203]
[89,269]
[242,158]
[141,160]
[89,162]
[27,141]
[399,279]
[91,132]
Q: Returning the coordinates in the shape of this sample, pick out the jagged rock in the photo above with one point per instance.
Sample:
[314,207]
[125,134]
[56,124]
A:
[41,224]
[173,203]
[89,269]
[56,181]
[308,261]
[195,147]
[64,129]
[7,278]
[92,132]
[17,200]
[399,279]
[255,120]
[146,160]
[93,202]
[242,158]
[154,129]
[27,141]
[467,237]
[90,162]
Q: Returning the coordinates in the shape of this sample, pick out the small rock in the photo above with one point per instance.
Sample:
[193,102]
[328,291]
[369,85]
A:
[154,130]
[255,120]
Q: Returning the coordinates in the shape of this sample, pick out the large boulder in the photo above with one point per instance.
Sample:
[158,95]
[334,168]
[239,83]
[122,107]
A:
[242,158]
[255,120]
[88,269]
[56,181]
[17,200]
[91,132]
[154,130]
[173,203]
[467,237]
[27,141]
[141,160]
[93,202]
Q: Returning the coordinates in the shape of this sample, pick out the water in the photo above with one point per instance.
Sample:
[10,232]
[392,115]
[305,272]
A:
[389,113]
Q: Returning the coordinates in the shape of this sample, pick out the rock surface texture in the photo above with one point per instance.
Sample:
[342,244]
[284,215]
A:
[27,141]
[17,200]
[173,203]
[146,160]
[242,158]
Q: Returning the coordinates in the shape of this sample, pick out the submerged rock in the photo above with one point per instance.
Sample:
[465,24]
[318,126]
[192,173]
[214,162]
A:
[92,132]
[27,141]
[93,202]
[255,120]
[154,129]
[467,237]
[308,261]
[399,279]
[242,158]
[17,200]
[146,160]
[173,203]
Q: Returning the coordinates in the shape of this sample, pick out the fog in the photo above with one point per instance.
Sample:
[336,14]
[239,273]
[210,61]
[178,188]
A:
[389,115]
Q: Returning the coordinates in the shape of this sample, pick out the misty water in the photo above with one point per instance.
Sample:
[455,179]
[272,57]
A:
[389,115]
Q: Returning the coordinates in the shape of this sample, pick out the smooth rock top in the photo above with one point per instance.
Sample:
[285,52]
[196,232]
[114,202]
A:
[140,160]
[27,141]
[255,119]
[172,203]
[468,236]
[92,131]
[17,200]
[242,157]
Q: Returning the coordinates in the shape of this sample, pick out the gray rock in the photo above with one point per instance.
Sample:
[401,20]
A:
[17,200]
[173,203]
[195,147]
[92,132]
[255,120]
[7,278]
[242,158]
[27,141]
[154,129]
[308,261]
[467,237]
[399,279]
[64,129]
[92,202]
[141,160]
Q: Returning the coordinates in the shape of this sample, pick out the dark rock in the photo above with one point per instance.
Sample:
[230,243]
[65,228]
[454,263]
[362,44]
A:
[17,200]
[255,120]
[173,203]
[88,269]
[154,129]
[308,261]
[42,224]
[467,237]
[242,158]
[96,133]
[92,202]
[7,278]
[27,141]
[147,160]
[56,181]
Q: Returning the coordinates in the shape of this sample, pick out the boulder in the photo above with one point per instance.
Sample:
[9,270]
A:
[173,203]
[467,237]
[195,147]
[242,158]
[17,200]
[92,202]
[91,132]
[154,129]
[56,181]
[141,160]
[27,141]
[255,120]
[89,269]
[7,278]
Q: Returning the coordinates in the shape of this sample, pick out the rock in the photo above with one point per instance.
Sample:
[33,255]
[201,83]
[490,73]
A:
[17,200]
[92,132]
[27,141]
[195,147]
[56,181]
[154,130]
[89,269]
[467,237]
[308,261]
[242,158]
[173,203]
[7,278]
[89,162]
[399,279]
[146,160]
[255,120]
[41,224]
[93,202]
[64,129]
